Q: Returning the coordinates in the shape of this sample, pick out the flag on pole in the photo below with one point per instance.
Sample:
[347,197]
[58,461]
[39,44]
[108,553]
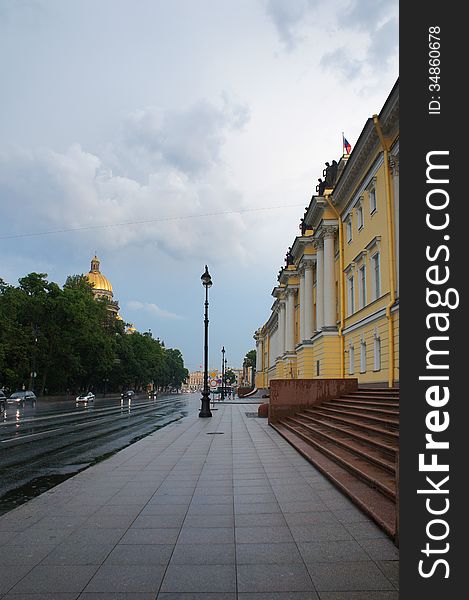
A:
[346,145]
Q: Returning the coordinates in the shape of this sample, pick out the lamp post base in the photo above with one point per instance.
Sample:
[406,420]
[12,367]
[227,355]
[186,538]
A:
[205,408]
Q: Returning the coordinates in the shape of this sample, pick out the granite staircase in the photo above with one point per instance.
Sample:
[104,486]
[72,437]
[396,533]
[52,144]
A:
[354,441]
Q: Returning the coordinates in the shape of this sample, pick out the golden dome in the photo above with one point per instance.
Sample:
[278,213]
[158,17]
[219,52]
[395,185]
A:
[97,279]
[118,317]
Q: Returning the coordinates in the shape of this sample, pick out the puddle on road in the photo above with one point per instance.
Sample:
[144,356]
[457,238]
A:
[18,496]
[34,488]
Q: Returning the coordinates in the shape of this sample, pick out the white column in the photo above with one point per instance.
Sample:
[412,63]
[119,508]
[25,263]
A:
[274,348]
[302,306]
[258,356]
[290,322]
[319,285]
[330,319]
[281,327]
[308,301]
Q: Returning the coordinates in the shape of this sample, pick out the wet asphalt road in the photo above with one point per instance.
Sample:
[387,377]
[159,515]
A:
[45,443]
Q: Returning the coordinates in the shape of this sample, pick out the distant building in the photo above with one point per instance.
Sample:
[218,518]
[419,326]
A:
[102,287]
[195,381]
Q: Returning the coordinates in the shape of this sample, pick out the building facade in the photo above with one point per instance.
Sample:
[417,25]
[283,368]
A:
[336,305]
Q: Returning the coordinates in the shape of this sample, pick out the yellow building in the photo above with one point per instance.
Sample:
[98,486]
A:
[336,307]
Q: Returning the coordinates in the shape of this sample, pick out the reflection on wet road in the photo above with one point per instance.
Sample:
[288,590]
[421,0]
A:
[44,443]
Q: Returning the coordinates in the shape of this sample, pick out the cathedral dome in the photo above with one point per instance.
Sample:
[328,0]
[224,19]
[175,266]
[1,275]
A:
[99,282]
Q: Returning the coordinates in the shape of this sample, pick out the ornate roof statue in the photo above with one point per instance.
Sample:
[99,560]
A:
[330,173]
[321,186]
[289,258]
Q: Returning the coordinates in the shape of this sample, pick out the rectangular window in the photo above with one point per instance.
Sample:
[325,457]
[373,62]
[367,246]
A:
[351,295]
[360,217]
[372,194]
[377,354]
[376,275]
[351,360]
[317,368]
[349,230]
[362,286]
[362,357]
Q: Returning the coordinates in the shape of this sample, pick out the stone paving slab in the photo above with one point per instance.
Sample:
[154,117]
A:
[204,509]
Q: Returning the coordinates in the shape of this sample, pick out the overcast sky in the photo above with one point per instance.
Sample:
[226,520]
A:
[205,123]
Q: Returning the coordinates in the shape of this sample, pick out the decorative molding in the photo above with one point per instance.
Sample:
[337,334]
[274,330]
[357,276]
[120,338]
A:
[318,243]
[363,186]
[394,164]
[371,184]
[329,231]
[365,321]
[376,241]
[361,256]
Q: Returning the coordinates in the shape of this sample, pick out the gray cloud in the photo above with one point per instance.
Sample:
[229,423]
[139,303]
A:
[177,150]
[188,140]
[366,15]
[384,43]
[287,15]
[383,37]
[341,61]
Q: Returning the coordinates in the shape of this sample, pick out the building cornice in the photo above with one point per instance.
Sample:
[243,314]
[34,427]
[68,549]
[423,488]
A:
[367,146]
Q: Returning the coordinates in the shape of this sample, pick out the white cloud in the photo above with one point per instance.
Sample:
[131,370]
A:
[175,151]
[188,140]
[152,309]
[341,61]
[287,17]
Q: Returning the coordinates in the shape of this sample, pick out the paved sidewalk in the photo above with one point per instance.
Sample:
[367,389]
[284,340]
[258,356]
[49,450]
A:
[204,509]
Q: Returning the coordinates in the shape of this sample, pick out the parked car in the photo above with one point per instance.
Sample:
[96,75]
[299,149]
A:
[3,401]
[22,396]
[89,397]
[128,395]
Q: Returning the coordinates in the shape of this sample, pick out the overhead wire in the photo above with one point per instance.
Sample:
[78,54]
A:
[143,222]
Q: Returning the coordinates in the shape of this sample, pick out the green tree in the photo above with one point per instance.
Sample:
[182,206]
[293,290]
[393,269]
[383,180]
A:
[73,342]
[250,361]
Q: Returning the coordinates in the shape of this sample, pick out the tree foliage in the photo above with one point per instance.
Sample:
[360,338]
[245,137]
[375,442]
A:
[72,342]
[250,358]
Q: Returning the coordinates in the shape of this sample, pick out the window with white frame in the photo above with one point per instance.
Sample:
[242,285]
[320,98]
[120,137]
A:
[375,262]
[377,353]
[372,196]
[362,286]
[349,229]
[351,295]
[359,217]
[362,356]
[351,360]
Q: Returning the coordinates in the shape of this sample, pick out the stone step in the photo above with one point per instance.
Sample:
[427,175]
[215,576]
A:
[357,424]
[387,404]
[381,390]
[380,507]
[385,421]
[361,467]
[370,398]
[370,435]
[360,448]
[378,410]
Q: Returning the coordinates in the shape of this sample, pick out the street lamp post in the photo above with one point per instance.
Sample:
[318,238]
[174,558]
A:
[223,373]
[205,407]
